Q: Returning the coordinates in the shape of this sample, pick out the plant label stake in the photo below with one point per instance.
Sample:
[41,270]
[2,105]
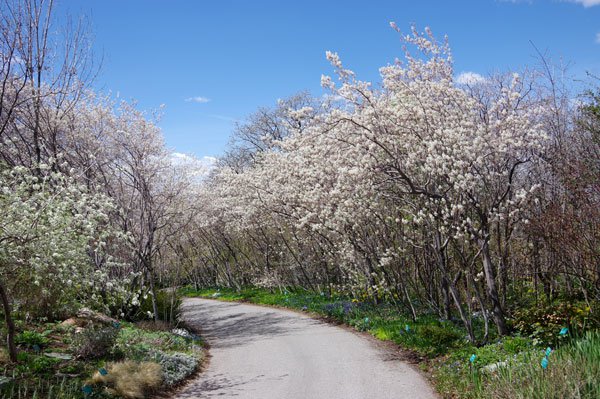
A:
[87,390]
[563,331]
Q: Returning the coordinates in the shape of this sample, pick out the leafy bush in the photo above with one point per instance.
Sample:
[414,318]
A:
[42,364]
[441,337]
[542,323]
[175,366]
[95,343]
[129,379]
[32,338]
[138,344]
[515,345]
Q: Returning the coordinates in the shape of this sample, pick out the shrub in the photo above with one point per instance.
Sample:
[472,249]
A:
[129,379]
[95,343]
[42,364]
[543,322]
[515,345]
[31,338]
[175,366]
[441,337]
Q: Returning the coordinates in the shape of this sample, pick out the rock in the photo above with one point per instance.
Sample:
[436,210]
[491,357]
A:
[185,334]
[490,368]
[61,356]
[67,375]
[88,314]
[73,321]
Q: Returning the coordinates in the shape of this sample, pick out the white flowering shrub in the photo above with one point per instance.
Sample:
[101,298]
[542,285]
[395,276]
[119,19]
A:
[53,239]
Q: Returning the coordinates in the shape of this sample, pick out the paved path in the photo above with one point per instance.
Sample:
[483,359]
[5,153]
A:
[265,353]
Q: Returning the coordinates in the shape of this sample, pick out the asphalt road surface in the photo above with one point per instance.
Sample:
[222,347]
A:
[265,353]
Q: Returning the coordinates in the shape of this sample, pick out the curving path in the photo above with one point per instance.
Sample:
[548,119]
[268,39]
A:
[264,353]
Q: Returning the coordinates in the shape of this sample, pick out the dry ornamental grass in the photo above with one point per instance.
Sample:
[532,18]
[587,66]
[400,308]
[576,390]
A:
[129,379]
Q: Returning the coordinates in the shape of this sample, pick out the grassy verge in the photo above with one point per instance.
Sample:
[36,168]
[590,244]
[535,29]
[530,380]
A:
[100,361]
[507,368]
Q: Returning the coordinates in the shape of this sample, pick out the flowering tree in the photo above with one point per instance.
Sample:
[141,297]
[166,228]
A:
[374,166]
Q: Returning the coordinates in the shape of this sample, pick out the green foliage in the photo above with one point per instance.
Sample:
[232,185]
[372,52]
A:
[43,364]
[515,345]
[32,338]
[543,322]
[440,336]
[138,344]
[43,388]
[573,372]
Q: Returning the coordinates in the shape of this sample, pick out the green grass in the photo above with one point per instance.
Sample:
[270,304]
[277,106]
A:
[573,370]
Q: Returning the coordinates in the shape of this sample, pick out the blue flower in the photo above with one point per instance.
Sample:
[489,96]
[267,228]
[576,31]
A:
[544,363]
[407,328]
[103,371]
[472,358]
[87,389]
[548,351]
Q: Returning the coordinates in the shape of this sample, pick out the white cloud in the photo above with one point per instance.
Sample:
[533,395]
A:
[198,167]
[223,118]
[197,99]
[469,78]
[586,3]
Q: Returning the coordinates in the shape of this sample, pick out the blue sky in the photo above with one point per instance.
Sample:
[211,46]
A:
[227,58]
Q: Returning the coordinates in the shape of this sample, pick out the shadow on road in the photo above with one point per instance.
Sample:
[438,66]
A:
[234,328]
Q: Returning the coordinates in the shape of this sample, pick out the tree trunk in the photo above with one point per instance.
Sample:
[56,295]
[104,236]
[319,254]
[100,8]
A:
[10,324]
[445,299]
[153,293]
[442,265]
[491,289]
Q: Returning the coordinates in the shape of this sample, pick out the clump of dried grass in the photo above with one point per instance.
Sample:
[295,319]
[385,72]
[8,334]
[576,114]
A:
[129,379]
